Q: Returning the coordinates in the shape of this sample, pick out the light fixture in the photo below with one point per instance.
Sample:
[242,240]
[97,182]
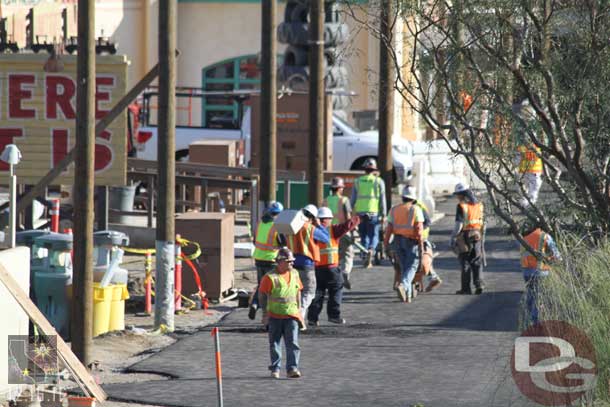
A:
[12,156]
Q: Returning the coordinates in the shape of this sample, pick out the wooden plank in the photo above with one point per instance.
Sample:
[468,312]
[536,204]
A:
[47,329]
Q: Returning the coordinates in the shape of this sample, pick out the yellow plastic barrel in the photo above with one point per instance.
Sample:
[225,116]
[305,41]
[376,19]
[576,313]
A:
[102,306]
[117,307]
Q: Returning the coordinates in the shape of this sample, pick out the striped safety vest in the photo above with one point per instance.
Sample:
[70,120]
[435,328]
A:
[303,243]
[336,204]
[403,220]
[537,241]
[283,297]
[265,244]
[329,253]
[473,216]
[367,200]
[530,160]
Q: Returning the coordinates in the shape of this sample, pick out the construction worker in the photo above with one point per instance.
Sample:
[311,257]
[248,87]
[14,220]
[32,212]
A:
[530,172]
[307,253]
[467,239]
[328,274]
[534,269]
[368,200]
[280,291]
[430,279]
[342,212]
[406,224]
[266,246]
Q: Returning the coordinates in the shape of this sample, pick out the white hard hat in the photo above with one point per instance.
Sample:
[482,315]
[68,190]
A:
[409,192]
[460,188]
[370,164]
[337,182]
[325,213]
[311,210]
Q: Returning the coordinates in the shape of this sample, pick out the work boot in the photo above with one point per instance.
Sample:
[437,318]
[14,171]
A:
[339,321]
[252,312]
[275,374]
[346,283]
[294,373]
[401,292]
[463,292]
[478,291]
[433,284]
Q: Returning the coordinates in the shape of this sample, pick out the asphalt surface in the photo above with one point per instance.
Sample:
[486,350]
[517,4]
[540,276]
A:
[440,350]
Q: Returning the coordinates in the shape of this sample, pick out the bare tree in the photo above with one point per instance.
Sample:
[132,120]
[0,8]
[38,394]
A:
[475,64]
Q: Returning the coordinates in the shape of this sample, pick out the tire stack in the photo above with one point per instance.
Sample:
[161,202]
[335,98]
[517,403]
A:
[294,31]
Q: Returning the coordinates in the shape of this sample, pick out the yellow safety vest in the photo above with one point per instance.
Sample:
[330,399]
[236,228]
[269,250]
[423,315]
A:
[336,204]
[265,243]
[367,200]
[530,160]
[283,297]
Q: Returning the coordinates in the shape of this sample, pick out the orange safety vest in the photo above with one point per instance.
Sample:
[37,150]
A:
[530,160]
[403,220]
[473,216]
[303,243]
[329,253]
[537,241]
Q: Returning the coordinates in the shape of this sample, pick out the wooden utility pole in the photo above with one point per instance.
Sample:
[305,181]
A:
[268,101]
[82,306]
[316,101]
[166,146]
[386,97]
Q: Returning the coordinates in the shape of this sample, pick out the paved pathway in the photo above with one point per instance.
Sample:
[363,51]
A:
[442,350]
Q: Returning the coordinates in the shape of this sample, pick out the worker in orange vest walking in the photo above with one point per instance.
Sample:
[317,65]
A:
[342,211]
[467,239]
[328,274]
[406,224]
[534,269]
[266,245]
[307,253]
[280,291]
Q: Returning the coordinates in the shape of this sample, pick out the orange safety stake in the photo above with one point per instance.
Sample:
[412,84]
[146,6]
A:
[54,212]
[216,335]
[148,283]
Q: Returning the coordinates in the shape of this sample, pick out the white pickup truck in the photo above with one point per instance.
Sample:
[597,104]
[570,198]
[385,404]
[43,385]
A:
[350,147]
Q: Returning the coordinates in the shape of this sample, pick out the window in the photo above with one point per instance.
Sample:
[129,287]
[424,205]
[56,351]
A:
[240,73]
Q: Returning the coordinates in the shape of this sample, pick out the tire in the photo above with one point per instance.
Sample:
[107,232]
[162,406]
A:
[335,34]
[296,56]
[298,33]
[336,77]
[341,102]
[284,33]
[297,78]
[298,12]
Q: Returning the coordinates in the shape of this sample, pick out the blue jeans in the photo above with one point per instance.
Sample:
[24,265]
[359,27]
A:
[532,284]
[408,256]
[369,231]
[289,330]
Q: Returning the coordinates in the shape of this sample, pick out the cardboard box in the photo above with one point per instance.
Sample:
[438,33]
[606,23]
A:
[216,152]
[289,222]
[215,233]
[292,132]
